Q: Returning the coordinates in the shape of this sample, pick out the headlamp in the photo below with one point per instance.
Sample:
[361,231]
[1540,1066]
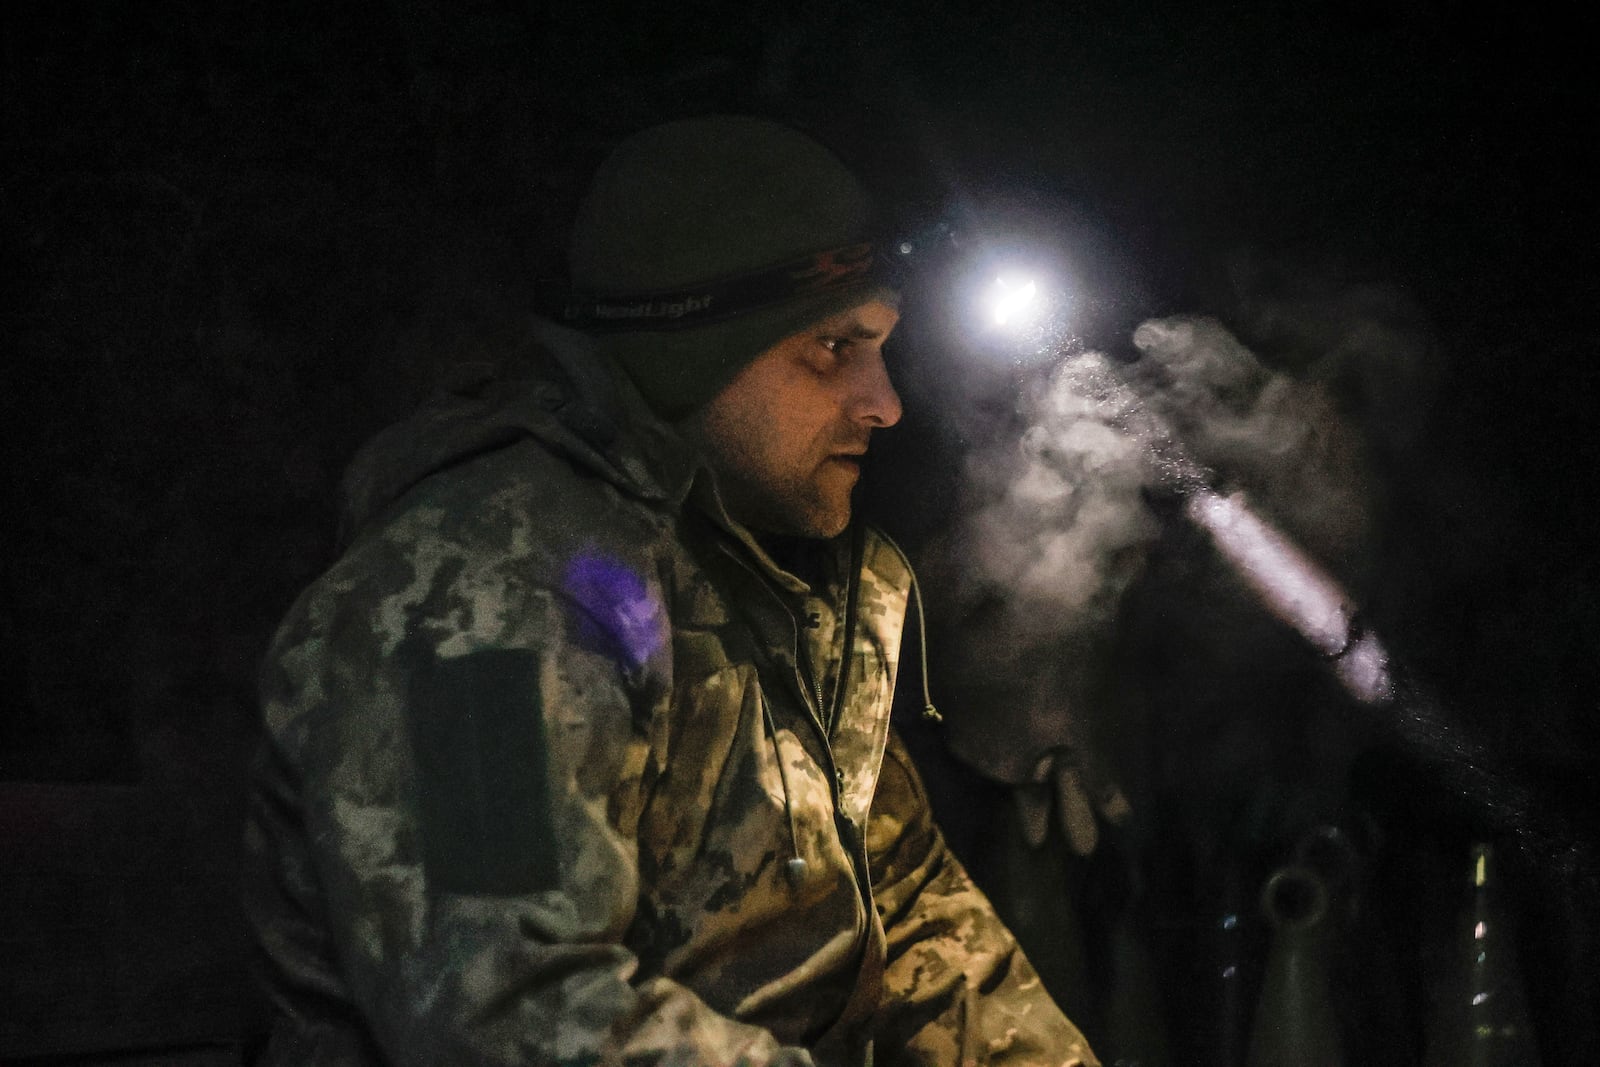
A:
[1002,292]
[1013,301]
[1002,300]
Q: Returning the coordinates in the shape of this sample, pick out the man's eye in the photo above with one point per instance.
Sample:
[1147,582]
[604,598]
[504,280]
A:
[836,344]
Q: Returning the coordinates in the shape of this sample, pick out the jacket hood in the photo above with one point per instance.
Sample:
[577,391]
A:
[550,384]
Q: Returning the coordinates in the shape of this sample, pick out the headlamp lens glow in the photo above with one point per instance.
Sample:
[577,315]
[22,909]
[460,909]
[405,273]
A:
[1013,302]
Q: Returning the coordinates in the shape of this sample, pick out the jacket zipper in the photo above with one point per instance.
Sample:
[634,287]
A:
[852,596]
[814,691]
[855,842]
[824,721]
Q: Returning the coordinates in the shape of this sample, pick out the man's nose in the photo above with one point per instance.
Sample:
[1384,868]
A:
[874,402]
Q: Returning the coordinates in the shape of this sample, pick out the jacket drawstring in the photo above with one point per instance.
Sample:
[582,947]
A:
[795,866]
[929,712]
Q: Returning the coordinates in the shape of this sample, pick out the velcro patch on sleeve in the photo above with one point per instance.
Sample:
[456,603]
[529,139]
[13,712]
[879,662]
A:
[478,742]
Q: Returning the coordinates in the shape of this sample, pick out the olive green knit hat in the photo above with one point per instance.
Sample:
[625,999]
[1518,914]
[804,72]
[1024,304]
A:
[702,242]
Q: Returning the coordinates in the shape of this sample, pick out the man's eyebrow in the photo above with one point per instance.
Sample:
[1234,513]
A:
[854,329]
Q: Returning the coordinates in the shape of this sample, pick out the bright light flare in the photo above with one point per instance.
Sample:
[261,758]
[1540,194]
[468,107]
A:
[1296,590]
[1014,302]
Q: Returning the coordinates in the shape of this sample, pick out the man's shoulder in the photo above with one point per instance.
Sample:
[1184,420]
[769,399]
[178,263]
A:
[526,483]
[515,516]
[480,546]
[522,502]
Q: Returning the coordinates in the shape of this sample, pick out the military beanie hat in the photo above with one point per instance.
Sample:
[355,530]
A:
[700,243]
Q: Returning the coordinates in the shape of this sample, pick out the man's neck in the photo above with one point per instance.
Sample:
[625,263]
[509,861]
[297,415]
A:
[804,557]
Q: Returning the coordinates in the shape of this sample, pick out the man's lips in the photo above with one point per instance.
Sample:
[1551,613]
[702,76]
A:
[848,461]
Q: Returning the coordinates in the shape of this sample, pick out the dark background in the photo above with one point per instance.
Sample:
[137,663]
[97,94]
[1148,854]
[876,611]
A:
[239,238]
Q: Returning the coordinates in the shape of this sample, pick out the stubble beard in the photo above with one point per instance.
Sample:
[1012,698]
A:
[797,507]
[794,504]
[763,490]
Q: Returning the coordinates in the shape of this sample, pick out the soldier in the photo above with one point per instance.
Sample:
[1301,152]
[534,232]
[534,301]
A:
[581,752]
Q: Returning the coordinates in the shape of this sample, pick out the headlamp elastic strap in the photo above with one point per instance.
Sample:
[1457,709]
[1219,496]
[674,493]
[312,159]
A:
[832,268]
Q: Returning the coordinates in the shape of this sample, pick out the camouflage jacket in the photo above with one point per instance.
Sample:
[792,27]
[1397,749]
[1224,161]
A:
[562,768]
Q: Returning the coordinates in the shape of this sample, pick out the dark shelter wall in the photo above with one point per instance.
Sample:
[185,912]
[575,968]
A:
[239,238]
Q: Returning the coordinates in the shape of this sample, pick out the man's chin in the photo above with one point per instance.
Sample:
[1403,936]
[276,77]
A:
[831,529]
[813,512]
[821,522]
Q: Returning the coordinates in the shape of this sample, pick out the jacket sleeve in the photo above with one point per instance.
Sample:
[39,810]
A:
[461,767]
[957,987]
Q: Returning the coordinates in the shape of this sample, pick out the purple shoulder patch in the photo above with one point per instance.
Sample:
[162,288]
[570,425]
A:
[619,603]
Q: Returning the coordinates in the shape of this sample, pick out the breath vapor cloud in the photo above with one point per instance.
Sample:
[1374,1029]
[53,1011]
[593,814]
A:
[1057,525]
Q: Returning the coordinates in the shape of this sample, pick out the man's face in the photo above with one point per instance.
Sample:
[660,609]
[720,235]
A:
[787,435]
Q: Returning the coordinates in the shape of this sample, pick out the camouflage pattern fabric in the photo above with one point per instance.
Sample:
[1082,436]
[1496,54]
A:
[549,778]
